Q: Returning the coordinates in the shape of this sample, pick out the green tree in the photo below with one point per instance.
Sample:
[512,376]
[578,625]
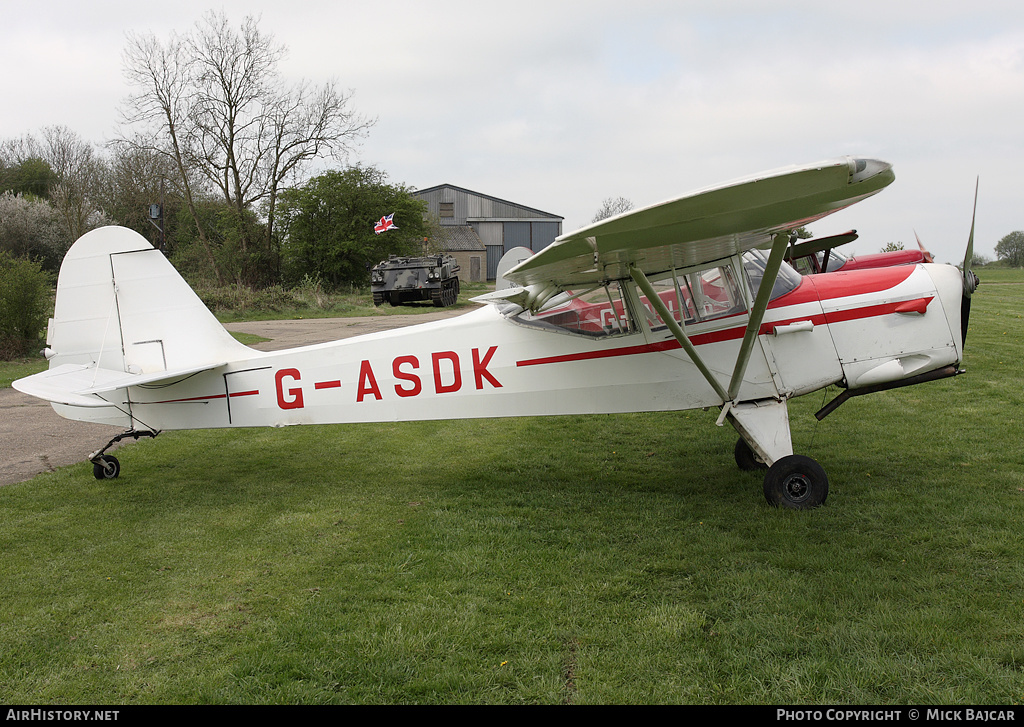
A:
[25,290]
[225,230]
[892,247]
[32,176]
[1011,249]
[327,226]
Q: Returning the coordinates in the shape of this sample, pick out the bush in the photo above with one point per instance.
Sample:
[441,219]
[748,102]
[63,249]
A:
[25,300]
[243,298]
[31,228]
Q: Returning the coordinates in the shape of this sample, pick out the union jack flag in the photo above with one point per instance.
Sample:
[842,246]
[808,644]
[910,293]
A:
[385,224]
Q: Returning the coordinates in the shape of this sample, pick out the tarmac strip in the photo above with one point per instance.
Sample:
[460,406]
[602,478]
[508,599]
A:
[36,439]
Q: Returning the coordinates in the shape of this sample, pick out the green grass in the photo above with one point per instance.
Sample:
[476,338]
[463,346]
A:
[583,560]
[12,370]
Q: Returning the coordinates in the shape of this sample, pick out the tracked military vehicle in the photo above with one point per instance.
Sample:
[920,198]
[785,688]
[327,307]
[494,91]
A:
[399,280]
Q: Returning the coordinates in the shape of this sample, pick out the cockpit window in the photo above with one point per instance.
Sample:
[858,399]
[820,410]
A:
[836,260]
[695,297]
[600,311]
[755,262]
[810,265]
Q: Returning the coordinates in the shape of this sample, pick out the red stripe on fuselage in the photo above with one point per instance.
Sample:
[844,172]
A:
[811,289]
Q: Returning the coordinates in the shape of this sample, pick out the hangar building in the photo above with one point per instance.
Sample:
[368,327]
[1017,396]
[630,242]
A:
[478,229]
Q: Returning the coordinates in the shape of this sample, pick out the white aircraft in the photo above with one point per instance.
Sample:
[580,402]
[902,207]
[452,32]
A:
[685,304]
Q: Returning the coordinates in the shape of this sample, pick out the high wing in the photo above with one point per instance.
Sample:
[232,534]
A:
[698,228]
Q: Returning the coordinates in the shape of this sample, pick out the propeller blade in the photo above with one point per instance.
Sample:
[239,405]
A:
[927,255]
[969,278]
[965,316]
[969,284]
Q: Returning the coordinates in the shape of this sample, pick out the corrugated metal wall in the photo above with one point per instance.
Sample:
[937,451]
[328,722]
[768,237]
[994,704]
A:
[501,225]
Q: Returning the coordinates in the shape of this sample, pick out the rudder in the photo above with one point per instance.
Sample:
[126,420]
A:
[122,306]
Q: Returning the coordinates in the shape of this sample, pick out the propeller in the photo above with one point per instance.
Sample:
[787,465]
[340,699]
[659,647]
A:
[970,279]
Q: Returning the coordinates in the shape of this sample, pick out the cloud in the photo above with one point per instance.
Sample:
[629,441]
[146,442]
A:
[558,105]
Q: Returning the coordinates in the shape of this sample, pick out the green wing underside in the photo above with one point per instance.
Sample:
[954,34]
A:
[704,226]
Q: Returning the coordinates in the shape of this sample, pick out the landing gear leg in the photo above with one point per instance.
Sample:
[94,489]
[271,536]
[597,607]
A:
[106,466]
[792,480]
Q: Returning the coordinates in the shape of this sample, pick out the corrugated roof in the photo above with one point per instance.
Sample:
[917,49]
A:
[459,238]
[428,190]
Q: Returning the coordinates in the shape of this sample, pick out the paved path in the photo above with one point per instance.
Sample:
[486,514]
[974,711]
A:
[34,439]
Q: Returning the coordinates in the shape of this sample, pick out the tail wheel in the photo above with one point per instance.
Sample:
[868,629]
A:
[106,467]
[796,482]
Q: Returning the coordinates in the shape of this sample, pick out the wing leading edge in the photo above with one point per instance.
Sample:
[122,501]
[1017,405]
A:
[703,226]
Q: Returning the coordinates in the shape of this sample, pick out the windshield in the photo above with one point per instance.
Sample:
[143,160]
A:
[755,262]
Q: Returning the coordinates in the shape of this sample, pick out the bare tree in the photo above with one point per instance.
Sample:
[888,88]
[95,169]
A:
[214,101]
[79,170]
[612,206]
[135,179]
[162,108]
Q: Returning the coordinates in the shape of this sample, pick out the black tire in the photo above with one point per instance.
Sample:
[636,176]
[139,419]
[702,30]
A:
[796,482]
[746,459]
[106,467]
[378,298]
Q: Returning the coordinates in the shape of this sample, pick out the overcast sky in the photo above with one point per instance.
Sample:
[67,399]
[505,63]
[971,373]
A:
[557,105]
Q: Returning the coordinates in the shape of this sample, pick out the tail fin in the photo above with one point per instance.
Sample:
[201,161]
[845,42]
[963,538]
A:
[122,307]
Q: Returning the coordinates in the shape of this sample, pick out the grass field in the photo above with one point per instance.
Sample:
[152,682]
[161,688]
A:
[583,560]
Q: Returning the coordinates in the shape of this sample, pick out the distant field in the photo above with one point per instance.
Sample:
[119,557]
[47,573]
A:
[582,559]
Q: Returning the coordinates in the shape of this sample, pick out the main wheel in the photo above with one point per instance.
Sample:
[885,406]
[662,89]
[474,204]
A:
[746,459]
[106,467]
[796,482]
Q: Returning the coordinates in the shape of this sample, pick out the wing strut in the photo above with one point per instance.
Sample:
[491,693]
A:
[764,294]
[659,305]
[775,258]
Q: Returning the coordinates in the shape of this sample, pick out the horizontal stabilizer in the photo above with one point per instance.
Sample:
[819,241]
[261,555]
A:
[80,384]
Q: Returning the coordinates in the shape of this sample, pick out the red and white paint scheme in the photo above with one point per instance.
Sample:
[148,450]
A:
[680,305]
